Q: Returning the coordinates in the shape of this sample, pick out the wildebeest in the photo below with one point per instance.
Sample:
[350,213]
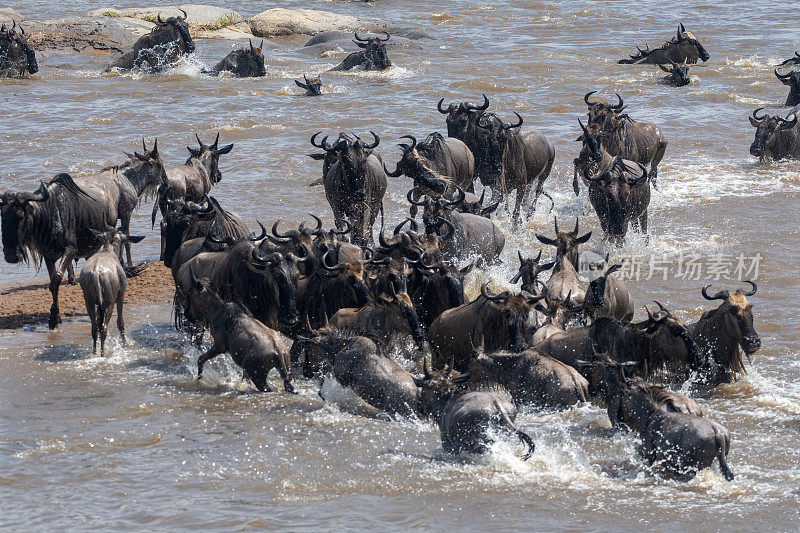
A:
[492,321]
[529,377]
[437,165]
[660,345]
[254,347]
[313,86]
[103,283]
[462,124]
[473,204]
[620,197]
[529,270]
[683,48]
[792,79]
[125,184]
[557,314]
[515,160]
[776,137]
[465,418]
[17,57]
[564,282]
[678,74]
[332,287]
[192,180]
[721,332]
[53,223]
[637,140]
[355,183]
[242,63]
[608,296]
[435,288]
[360,364]
[471,234]
[372,57]
[167,42]
[599,112]
[792,60]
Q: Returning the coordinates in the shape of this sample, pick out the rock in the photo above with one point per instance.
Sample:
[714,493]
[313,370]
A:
[200,17]
[89,35]
[281,21]
[8,16]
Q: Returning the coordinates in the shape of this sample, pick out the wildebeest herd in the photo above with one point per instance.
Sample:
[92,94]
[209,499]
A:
[346,299]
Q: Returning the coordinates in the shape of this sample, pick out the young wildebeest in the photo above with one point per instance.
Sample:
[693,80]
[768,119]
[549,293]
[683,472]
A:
[530,377]
[313,86]
[372,57]
[243,63]
[793,81]
[465,418]
[17,57]
[683,47]
[103,283]
[359,364]
[254,347]
[564,282]
[776,137]
[678,74]
[155,51]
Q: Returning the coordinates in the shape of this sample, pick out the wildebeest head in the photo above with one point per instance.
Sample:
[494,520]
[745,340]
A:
[678,74]
[148,165]
[174,28]
[495,135]
[733,321]
[437,287]
[666,331]
[435,390]
[768,130]
[462,118]
[401,315]
[208,156]
[615,185]
[792,60]
[792,79]
[17,56]
[596,295]
[18,212]
[686,45]
[409,245]
[475,205]
[375,51]
[246,62]
[388,275]
[348,278]
[592,149]
[566,243]
[282,268]
[600,113]
[529,270]
[313,86]
[297,241]
[418,169]
[180,218]
[436,213]
[506,326]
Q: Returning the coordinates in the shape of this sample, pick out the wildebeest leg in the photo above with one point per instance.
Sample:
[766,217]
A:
[105,319]
[120,321]
[282,363]
[91,311]
[515,217]
[210,354]
[55,284]
[125,227]
[258,376]
[723,464]
[71,273]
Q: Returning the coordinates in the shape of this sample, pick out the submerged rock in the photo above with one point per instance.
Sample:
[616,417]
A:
[282,21]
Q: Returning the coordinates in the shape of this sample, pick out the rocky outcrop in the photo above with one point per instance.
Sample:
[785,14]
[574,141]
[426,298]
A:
[280,21]
[89,35]
[9,16]
[200,17]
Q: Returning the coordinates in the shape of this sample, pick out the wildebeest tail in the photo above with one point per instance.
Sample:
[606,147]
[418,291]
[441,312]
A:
[723,443]
[528,441]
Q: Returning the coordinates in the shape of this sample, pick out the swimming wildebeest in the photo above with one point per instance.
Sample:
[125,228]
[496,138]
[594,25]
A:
[103,283]
[360,364]
[776,137]
[242,63]
[721,333]
[53,223]
[167,42]
[792,60]
[678,74]
[792,79]
[608,296]
[192,180]
[354,183]
[637,140]
[17,57]
[465,418]
[313,86]
[372,57]
[683,48]
[254,347]
[620,197]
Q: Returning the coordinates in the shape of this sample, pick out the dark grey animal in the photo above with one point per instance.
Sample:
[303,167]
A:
[103,283]
[242,63]
[331,287]
[53,223]
[372,57]
[313,86]
[462,124]
[636,140]
[678,74]
[792,79]
[360,364]
[683,48]
[254,347]
[776,137]
[530,377]
[608,296]
[436,287]
[167,42]
[529,270]
[17,57]
[792,60]
[620,197]
[465,418]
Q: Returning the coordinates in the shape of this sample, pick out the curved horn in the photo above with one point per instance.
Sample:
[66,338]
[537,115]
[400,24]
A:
[387,36]
[459,198]
[400,226]
[755,116]
[620,105]
[397,171]
[782,76]
[424,203]
[788,123]
[483,107]
[325,257]
[412,139]
[348,229]
[634,181]
[375,144]
[603,176]
[450,225]
[490,295]
[517,125]
[263,233]
[159,19]
[314,144]
[753,285]
[278,237]
[447,111]
[721,295]
[315,231]
[586,97]
[357,38]
[185,16]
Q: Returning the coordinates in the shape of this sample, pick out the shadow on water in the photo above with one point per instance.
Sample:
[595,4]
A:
[66,352]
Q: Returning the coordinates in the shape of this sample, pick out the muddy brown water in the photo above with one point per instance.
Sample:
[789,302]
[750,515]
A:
[134,442]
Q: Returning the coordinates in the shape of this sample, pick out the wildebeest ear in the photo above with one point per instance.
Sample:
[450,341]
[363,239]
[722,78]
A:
[96,233]
[135,238]
[301,85]
[318,157]
[546,266]
[193,151]
[613,268]
[580,139]
[225,149]
[547,240]
[665,69]
[583,239]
